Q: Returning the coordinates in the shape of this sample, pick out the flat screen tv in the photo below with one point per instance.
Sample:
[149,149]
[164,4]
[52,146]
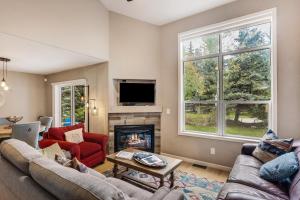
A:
[135,93]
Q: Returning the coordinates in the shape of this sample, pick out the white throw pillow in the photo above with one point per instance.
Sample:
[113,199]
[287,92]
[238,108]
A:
[52,150]
[74,136]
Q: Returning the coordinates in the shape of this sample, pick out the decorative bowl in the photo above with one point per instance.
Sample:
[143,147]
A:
[150,159]
[14,119]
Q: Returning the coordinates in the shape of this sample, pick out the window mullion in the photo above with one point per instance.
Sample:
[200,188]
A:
[246,50]
[220,90]
[59,103]
[72,105]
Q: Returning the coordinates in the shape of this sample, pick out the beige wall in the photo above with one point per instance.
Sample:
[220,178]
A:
[140,50]
[96,77]
[288,77]
[26,97]
[77,25]
[134,52]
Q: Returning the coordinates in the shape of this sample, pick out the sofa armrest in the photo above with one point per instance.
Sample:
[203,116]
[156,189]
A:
[160,193]
[96,138]
[174,195]
[248,148]
[240,196]
[68,146]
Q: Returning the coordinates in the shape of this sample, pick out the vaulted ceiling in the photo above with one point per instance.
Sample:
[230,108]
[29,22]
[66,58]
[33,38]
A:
[45,37]
[49,36]
[160,12]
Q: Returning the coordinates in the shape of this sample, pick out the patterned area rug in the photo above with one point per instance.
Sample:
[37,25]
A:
[194,187]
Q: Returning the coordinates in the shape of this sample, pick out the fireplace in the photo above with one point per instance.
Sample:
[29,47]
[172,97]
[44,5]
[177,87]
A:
[134,136]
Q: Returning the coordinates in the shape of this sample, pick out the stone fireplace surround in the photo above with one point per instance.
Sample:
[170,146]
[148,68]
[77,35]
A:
[138,118]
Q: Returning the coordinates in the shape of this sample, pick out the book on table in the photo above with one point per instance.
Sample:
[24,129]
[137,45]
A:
[149,159]
[152,160]
[125,155]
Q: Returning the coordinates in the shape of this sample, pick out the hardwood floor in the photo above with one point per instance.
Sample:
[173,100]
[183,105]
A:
[209,173]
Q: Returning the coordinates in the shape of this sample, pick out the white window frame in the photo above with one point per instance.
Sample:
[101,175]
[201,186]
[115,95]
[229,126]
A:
[56,98]
[256,18]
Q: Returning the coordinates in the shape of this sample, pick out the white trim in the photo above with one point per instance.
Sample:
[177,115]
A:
[70,83]
[274,70]
[180,88]
[198,162]
[229,24]
[259,17]
[56,98]
[55,108]
[212,136]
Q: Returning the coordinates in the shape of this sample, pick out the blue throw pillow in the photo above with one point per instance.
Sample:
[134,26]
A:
[280,168]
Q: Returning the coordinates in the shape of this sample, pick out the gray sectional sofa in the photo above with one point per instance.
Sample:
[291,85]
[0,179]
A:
[25,174]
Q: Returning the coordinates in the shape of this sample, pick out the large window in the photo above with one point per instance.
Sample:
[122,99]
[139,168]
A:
[227,78]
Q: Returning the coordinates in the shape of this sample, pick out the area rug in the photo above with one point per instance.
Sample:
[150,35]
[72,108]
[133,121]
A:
[193,187]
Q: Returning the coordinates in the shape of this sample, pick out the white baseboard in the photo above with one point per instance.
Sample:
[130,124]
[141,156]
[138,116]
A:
[198,162]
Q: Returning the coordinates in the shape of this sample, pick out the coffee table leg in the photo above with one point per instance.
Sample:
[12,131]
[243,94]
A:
[115,170]
[161,184]
[172,179]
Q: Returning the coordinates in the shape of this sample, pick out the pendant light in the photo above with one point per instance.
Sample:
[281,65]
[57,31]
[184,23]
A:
[3,82]
[4,74]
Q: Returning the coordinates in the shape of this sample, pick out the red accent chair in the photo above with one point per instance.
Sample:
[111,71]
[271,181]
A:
[91,152]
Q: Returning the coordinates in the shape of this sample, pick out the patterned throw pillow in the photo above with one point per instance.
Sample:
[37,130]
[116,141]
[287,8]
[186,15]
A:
[76,164]
[53,150]
[271,147]
[73,163]
[62,160]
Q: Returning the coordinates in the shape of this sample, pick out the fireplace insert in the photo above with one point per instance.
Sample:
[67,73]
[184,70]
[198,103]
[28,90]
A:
[134,136]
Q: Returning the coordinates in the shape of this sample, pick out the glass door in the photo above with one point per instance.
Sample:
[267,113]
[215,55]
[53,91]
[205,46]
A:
[79,104]
[72,105]
[66,106]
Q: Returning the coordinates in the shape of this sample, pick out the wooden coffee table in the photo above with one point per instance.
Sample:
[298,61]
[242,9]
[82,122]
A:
[160,173]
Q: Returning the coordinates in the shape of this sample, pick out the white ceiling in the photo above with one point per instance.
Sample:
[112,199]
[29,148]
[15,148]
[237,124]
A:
[161,12]
[41,58]
[34,57]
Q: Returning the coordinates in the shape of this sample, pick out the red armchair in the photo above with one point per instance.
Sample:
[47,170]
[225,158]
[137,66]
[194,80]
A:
[91,152]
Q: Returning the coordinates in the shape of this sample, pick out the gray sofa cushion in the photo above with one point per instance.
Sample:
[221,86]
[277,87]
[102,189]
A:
[160,193]
[174,195]
[96,174]
[19,153]
[19,184]
[6,193]
[67,183]
[131,191]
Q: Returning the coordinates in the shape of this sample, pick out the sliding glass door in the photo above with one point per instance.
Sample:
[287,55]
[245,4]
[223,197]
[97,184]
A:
[79,104]
[72,104]
[66,106]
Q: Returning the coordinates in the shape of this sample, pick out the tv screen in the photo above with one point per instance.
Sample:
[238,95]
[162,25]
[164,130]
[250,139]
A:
[137,93]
